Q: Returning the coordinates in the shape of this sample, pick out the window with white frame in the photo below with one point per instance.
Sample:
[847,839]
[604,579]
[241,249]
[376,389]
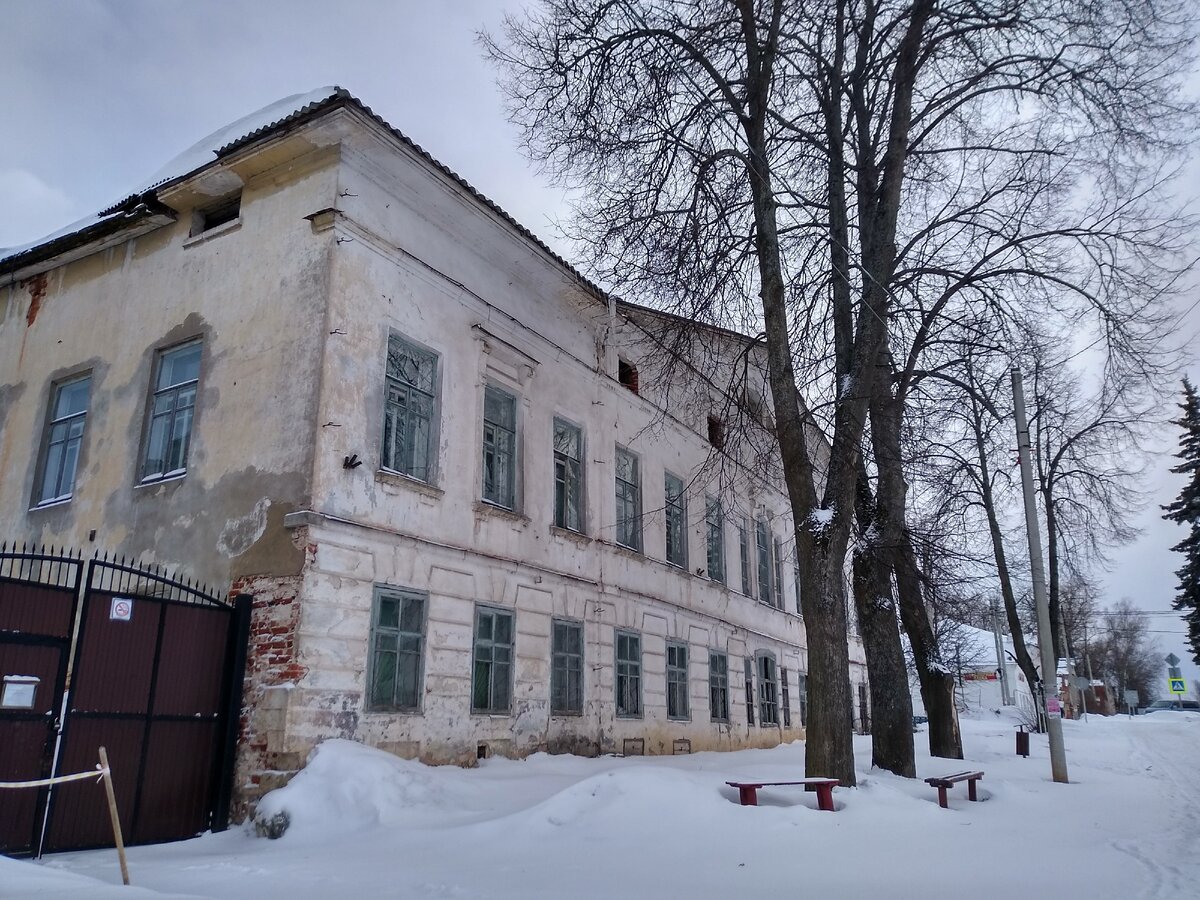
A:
[499,447]
[568,476]
[566,668]
[718,686]
[629,500]
[714,534]
[629,674]
[409,409]
[491,680]
[768,690]
[676,520]
[763,542]
[397,636]
[677,680]
[172,410]
[62,440]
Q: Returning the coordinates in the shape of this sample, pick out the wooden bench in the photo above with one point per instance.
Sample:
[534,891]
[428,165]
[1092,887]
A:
[748,790]
[948,781]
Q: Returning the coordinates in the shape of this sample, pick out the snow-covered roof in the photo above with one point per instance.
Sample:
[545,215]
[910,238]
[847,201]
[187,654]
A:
[194,158]
[142,202]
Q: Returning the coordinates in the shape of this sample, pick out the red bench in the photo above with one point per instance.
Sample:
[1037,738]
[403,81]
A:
[948,781]
[748,790]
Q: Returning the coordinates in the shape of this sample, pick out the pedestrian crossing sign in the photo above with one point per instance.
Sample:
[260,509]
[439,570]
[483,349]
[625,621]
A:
[1177,685]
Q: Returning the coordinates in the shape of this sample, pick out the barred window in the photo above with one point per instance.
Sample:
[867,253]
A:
[397,635]
[714,524]
[629,500]
[718,686]
[677,681]
[768,703]
[62,440]
[566,671]
[491,688]
[676,520]
[409,409]
[499,447]
[568,476]
[172,409]
[629,674]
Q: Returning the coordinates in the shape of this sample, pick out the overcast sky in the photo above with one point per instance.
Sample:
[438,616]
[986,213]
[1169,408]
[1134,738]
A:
[98,95]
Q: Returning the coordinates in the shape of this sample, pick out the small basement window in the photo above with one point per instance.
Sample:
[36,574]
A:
[220,213]
[627,374]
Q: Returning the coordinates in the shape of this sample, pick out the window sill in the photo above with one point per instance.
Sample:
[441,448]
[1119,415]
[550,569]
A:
[396,479]
[393,712]
[579,537]
[484,509]
[484,714]
[565,715]
[157,481]
[215,231]
[51,504]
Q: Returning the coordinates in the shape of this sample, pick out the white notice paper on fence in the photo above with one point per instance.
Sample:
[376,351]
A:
[121,609]
[19,691]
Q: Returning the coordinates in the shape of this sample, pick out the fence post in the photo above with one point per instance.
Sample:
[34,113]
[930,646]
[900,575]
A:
[112,811]
[235,673]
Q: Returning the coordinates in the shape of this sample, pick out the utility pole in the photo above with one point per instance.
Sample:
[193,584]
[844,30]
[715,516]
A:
[1058,752]
[1006,696]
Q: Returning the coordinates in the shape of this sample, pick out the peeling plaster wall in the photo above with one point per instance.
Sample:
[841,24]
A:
[254,293]
[417,256]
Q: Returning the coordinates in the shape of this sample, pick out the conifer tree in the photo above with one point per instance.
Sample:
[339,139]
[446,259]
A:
[1186,511]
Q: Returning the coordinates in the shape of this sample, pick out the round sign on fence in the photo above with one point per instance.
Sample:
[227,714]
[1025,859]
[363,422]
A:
[121,609]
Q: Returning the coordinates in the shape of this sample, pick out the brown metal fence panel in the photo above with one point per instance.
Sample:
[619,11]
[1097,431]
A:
[153,684]
[156,668]
[38,591]
[78,811]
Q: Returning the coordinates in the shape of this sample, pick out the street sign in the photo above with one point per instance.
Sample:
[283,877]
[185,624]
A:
[1131,699]
[121,609]
[1172,659]
[1176,685]
[1080,682]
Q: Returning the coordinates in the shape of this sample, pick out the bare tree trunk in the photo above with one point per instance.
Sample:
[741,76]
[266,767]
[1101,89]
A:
[1052,564]
[937,682]
[891,722]
[1015,629]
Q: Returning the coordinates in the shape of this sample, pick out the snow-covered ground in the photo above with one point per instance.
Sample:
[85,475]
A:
[365,824]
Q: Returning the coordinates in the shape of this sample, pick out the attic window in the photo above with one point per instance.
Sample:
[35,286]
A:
[716,432]
[627,374]
[220,213]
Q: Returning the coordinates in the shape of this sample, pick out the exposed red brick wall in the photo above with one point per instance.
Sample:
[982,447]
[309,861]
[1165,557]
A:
[270,662]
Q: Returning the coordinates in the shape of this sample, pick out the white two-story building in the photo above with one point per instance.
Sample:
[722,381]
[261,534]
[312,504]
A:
[482,507]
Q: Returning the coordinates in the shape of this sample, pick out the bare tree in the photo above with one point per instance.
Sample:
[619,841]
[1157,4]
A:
[1122,653]
[861,176]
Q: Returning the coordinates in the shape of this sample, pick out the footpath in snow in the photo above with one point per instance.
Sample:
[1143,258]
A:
[365,824]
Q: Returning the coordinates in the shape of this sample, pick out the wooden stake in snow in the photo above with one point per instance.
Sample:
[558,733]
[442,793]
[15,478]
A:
[112,811]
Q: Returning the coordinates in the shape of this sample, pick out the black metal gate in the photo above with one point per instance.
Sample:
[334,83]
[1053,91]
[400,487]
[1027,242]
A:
[155,676]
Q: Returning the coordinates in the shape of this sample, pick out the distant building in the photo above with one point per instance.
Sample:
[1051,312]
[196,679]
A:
[479,507]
